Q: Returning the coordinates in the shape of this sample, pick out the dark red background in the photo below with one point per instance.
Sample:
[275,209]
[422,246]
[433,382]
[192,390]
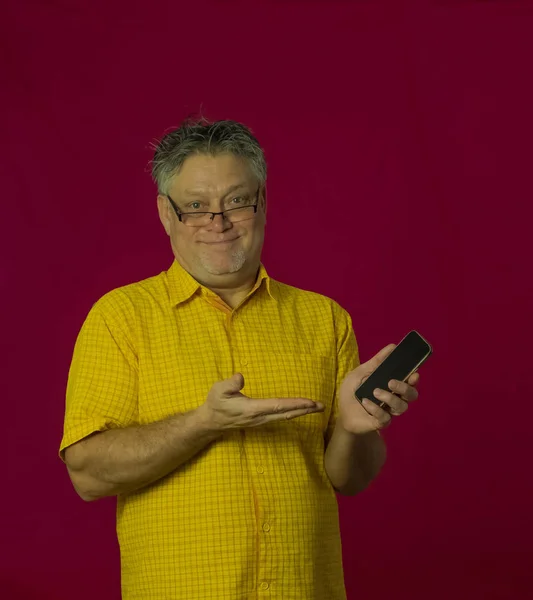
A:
[399,143]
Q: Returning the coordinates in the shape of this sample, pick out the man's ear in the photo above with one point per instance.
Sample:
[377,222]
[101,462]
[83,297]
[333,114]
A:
[264,199]
[163,207]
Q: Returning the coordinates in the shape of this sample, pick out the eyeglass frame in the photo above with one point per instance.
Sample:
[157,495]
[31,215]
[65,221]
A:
[180,214]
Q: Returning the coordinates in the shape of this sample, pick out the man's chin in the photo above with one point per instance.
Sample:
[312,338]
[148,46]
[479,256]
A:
[224,267]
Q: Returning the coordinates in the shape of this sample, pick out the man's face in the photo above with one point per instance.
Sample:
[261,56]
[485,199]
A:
[218,253]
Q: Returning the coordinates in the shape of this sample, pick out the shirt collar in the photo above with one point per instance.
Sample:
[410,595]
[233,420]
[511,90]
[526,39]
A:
[182,285]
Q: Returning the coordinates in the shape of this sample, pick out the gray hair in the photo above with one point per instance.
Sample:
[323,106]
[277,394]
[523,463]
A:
[201,136]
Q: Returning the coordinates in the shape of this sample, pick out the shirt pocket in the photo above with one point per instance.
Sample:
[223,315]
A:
[294,375]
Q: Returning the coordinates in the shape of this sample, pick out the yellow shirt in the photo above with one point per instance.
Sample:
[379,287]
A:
[254,515]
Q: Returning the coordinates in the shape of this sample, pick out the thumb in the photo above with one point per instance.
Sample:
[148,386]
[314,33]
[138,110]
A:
[371,365]
[234,384]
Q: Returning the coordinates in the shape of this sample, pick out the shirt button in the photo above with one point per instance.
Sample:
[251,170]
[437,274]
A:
[264,585]
[266,527]
[260,470]
[244,363]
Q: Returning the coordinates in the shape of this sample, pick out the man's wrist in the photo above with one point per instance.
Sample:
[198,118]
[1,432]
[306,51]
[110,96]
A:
[205,424]
[355,437]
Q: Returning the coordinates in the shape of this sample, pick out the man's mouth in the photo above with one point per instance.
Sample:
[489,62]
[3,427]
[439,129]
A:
[220,242]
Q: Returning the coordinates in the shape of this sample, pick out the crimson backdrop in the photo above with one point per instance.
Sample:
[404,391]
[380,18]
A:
[399,145]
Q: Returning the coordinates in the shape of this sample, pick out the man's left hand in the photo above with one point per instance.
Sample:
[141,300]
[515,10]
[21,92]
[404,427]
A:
[364,418]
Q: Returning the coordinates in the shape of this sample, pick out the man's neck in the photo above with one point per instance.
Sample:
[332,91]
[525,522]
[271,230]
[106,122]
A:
[232,299]
[231,288]
[233,296]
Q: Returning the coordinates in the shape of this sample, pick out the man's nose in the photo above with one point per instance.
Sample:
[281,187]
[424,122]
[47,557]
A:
[219,223]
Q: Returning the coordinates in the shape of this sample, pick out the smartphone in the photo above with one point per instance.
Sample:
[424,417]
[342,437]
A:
[401,363]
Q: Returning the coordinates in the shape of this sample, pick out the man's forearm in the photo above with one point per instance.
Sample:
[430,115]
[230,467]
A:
[353,461]
[123,460]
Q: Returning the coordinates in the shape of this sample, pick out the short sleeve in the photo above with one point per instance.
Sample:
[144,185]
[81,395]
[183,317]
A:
[102,386]
[347,360]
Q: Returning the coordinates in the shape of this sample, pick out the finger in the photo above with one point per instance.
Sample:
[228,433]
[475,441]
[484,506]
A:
[273,406]
[396,405]
[404,390]
[292,414]
[414,379]
[382,416]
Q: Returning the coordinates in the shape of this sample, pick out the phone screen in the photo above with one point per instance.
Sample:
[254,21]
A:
[408,355]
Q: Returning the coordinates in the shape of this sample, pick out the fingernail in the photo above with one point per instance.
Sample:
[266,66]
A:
[377,392]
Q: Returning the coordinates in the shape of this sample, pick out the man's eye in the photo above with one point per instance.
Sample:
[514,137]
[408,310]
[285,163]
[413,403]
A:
[195,205]
[238,200]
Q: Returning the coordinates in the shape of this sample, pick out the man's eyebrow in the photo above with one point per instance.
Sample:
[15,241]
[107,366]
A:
[203,193]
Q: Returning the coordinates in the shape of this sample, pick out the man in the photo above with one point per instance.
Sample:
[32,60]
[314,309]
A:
[217,403]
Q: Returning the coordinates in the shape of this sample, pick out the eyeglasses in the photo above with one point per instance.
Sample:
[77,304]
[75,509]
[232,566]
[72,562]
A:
[201,218]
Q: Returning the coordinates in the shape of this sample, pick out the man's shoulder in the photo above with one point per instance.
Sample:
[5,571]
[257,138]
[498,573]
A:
[133,297]
[307,299]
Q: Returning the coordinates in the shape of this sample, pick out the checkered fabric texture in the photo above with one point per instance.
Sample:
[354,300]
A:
[254,515]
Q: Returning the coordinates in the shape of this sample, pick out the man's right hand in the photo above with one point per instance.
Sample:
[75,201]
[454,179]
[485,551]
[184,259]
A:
[226,408]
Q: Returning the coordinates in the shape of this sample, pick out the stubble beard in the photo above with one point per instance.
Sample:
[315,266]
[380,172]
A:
[236,261]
